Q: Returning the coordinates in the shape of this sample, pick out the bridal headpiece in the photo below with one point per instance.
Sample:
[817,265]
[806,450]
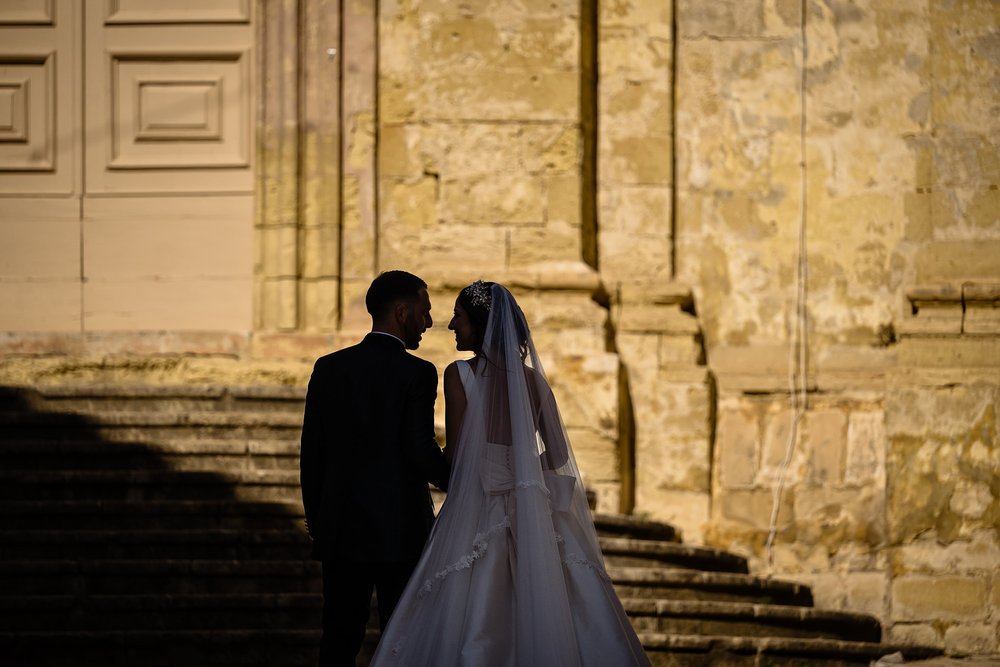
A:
[479,294]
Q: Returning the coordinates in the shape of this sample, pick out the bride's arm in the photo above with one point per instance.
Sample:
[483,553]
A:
[454,410]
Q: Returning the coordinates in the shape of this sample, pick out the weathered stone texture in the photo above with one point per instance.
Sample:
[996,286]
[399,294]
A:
[921,598]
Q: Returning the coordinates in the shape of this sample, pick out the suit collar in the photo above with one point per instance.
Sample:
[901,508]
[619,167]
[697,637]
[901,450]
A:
[384,340]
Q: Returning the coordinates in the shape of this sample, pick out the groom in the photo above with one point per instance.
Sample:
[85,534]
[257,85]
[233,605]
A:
[368,451]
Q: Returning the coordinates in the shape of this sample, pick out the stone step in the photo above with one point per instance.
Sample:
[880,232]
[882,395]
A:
[228,611]
[140,485]
[179,648]
[102,398]
[134,426]
[619,525]
[250,545]
[148,514]
[675,650]
[661,583]
[176,454]
[739,619]
[102,577]
[221,576]
[622,551]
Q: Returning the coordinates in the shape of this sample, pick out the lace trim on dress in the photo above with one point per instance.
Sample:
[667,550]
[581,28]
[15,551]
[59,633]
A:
[576,559]
[479,546]
[533,482]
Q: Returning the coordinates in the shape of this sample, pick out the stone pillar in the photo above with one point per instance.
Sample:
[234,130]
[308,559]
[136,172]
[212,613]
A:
[635,141]
[316,165]
[276,268]
[670,398]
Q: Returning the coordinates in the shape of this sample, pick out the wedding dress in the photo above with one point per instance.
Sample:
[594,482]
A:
[512,574]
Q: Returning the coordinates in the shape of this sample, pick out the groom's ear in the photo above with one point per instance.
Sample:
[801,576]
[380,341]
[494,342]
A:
[400,312]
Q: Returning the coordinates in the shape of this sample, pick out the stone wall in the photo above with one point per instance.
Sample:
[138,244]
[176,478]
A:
[879,160]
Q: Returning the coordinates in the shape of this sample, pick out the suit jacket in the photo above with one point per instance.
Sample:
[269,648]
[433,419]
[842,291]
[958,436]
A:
[368,452]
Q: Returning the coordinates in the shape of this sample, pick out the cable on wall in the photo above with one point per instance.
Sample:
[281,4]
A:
[798,345]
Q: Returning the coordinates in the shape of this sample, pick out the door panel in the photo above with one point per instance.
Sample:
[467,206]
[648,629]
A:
[169,107]
[38,101]
[168,207]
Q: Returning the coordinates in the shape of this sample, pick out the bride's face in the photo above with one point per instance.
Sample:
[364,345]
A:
[465,332]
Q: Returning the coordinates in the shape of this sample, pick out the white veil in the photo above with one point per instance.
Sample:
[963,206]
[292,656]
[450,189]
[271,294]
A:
[546,601]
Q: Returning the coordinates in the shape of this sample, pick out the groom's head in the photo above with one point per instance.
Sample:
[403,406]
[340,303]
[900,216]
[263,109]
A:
[399,304]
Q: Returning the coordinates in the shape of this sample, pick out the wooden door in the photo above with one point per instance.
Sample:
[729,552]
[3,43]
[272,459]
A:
[131,179]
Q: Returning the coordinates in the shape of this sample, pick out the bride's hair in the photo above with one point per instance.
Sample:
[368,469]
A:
[475,301]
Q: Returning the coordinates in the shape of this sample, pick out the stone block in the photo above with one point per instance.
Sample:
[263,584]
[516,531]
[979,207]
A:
[619,55]
[867,593]
[672,462]
[499,199]
[688,511]
[608,496]
[397,154]
[975,639]
[643,318]
[321,251]
[730,18]
[738,442]
[982,309]
[957,260]
[980,551]
[586,389]
[626,256]
[562,199]
[549,243]
[942,598]
[944,412]
[777,430]
[542,95]
[277,249]
[596,454]
[637,348]
[319,299]
[679,351]
[919,634]
[641,160]
[409,206]
[972,352]
[835,517]
[564,310]
[643,210]
[752,508]
[866,445]
[825,435]
[445,247]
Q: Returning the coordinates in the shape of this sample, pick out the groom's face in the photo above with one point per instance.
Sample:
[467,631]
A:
[418,320]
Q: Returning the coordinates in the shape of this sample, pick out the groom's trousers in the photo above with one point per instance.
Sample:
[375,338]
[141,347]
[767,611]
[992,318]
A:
[347,595]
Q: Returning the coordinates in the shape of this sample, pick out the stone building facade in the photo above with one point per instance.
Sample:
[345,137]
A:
[758,241]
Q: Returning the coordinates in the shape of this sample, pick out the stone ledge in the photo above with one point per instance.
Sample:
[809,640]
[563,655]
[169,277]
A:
[556,276]
[953,309]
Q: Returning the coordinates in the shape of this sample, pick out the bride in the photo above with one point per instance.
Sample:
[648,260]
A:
[512,574]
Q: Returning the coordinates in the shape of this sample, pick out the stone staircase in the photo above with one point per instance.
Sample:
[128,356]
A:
[161,526]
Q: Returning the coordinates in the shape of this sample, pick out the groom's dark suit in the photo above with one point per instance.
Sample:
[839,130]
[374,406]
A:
[368,451]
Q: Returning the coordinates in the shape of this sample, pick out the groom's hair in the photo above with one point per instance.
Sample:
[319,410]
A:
[389,288]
